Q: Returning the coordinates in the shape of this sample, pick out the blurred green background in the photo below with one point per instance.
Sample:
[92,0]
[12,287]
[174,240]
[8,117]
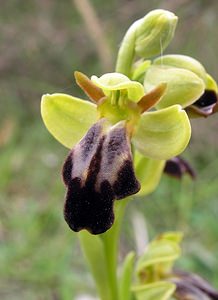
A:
[41,43]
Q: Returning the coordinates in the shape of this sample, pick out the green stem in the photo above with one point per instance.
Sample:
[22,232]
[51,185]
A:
[93,250]
[101,252]
[110,240]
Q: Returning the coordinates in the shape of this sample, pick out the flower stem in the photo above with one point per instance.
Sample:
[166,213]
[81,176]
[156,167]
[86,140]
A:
[93,250]
[110,241]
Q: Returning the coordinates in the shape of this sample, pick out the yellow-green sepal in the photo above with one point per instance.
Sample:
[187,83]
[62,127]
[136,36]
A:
[162,134]
[148,172]
[161,290]
[183,86]
[184,62]
[211,83]
[67,118]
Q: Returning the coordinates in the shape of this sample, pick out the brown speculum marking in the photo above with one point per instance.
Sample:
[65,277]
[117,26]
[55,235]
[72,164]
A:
[97,171]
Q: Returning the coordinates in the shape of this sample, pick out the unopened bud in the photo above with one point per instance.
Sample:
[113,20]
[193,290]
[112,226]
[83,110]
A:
[154,32]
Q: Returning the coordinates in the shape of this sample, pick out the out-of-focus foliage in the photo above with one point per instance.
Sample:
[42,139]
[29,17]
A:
[42,42]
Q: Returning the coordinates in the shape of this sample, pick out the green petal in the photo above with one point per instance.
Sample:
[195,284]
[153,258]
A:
[67,118]
[183,86]
[117,81]
[148,172]
[162,134]
[160,290]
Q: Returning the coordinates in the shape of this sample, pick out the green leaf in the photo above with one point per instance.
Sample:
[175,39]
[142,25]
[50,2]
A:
[126,277]
[183,86]
[67,118]
[93,250]
[148,172]
[162,134]
[160,290]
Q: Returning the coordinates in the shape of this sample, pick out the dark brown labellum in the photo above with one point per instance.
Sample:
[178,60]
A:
[204,106]
[98,170]
[177,167]
[193,287]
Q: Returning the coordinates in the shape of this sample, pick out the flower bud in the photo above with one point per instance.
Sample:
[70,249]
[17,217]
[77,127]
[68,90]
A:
[154,32]
[183,86]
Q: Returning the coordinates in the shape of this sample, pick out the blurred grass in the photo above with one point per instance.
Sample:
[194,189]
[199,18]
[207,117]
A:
[42,43]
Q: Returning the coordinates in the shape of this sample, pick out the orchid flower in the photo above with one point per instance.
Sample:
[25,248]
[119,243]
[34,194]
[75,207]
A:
[103,136]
